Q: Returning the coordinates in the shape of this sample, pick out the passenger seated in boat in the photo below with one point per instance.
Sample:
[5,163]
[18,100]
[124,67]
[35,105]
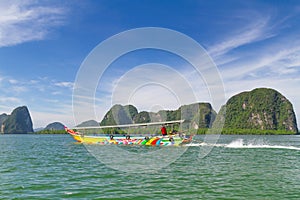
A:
[163,130]
[174,132]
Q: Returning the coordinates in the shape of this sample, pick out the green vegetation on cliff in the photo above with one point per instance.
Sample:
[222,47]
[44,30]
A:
[47,131]
[119,114]
[260,111]
[198,115]
[142,117]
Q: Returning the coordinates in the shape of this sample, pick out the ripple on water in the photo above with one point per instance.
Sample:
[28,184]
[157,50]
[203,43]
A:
[54,167]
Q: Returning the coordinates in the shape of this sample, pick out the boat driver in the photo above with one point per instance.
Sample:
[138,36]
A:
[163,130]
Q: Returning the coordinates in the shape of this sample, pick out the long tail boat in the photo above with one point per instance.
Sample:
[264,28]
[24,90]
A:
[159,140]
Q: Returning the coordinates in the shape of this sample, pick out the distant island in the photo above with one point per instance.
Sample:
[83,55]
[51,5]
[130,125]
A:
[53,128]
[260,111]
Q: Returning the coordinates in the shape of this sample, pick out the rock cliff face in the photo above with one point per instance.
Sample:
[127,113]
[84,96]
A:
[262,108]
[18,122]
[3,117]
[142,117]
[119,114]
[198,115]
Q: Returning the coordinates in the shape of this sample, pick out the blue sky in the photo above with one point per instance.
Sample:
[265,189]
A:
[43,44]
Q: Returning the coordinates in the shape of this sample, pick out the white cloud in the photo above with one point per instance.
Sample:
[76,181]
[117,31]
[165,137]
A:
[33,82]
[43,118]
[12,81]
[23,21]
[277,59]
[257,30]
[56,93]
[64,84]
[165,87]
[18,89]
[9,100]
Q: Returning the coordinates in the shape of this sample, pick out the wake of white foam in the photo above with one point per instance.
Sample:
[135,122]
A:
[239,143]
[201,144]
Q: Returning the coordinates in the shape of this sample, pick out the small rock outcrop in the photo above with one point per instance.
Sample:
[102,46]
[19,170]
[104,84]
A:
[88,123]
[55,126]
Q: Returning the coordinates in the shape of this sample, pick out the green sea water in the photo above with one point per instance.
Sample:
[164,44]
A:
[238,167]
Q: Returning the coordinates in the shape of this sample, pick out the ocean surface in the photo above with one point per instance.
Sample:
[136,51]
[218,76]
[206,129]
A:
[237,167]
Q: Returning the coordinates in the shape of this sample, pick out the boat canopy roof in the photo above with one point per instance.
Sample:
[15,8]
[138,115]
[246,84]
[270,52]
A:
[131,125]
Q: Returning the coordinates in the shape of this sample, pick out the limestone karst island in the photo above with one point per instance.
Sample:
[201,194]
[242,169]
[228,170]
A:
[260,111]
